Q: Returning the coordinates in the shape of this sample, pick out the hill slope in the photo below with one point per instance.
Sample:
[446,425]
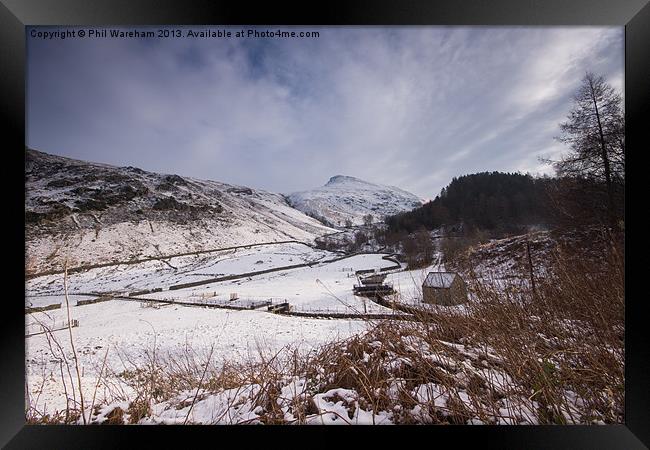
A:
[94,213]
[344,198]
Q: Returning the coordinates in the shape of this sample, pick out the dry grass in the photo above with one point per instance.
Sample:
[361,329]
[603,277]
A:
[511,355]
[566,336]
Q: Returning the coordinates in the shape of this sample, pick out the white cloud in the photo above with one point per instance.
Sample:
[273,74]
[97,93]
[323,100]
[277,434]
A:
[410,107]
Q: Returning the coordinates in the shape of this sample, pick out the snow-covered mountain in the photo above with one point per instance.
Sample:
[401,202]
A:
[344,198]
[94,213]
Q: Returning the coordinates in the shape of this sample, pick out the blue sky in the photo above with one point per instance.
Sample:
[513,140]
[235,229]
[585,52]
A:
[405,106]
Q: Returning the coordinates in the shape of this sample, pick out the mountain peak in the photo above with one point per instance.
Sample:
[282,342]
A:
[346,198]
[341,179]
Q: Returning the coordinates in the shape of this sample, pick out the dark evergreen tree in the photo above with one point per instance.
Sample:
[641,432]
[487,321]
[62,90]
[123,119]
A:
[497,201]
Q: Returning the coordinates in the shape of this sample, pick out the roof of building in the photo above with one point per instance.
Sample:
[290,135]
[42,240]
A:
[376,278]
[439,279]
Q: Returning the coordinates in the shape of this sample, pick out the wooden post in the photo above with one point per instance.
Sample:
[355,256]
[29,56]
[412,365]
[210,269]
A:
[530,266]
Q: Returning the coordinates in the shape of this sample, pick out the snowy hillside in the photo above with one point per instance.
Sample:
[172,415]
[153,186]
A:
[344,198]
[95,213]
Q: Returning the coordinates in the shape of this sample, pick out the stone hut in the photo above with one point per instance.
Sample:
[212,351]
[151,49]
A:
[444,288]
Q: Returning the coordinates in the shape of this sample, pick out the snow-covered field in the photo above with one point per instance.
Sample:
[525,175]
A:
[128,331]
[127,278]
[325,287]
[408,283]
[116,338]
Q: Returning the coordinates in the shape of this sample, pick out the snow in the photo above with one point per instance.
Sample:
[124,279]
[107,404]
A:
[496,379]
[129,331]
[348,198]
[324,287]
[237,406]
[229,407]
[182,269]
[105,410]
[126,241]
[432,393]
[36,300]
[408,287]
[518,411]
[132,228]
[124,334]
[294,390]
[334,409]
[439,279]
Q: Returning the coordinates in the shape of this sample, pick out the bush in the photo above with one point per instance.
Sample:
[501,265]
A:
[360,238]
[453,248]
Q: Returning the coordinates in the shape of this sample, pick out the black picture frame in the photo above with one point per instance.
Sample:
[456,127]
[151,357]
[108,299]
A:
[15,15]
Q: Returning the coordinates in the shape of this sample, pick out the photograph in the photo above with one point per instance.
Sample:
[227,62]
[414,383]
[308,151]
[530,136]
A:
[325,225]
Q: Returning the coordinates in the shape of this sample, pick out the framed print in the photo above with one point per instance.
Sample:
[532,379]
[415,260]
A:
[388,215]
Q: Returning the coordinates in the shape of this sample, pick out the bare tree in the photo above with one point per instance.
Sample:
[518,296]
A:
[367,219]
[595,132]
[425,246]
[360,238]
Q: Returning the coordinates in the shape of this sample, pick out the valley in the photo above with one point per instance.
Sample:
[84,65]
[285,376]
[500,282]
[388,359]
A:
[138,284]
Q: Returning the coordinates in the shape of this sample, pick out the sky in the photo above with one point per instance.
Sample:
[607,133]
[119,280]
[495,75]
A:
[410,107]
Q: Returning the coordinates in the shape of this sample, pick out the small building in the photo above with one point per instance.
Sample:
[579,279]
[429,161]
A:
[375,278]
[444,288]
[372,285]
